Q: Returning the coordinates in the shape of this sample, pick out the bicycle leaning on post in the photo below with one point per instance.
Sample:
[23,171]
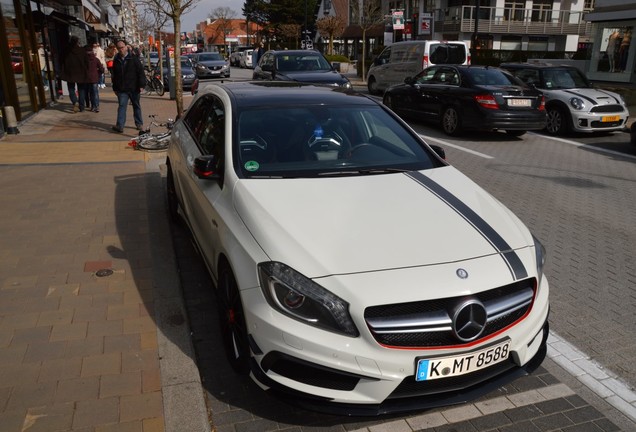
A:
[148,141]
[154,82]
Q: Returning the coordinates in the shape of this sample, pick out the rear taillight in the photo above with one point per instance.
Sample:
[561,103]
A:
[542,104]
[486,101]
[424,62]
[468,59]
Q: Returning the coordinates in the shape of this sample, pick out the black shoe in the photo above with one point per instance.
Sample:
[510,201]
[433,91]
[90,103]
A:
[140,127]
[117,129]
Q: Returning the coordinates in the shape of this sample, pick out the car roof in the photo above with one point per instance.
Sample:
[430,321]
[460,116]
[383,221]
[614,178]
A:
[294,52]
[536,66]
[272,94]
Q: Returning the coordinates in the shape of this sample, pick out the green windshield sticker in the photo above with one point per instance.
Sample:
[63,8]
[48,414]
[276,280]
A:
[251,166]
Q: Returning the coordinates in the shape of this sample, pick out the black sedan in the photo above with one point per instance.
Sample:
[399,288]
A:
[306,66]
[469,97]
[211,65]
[188,74]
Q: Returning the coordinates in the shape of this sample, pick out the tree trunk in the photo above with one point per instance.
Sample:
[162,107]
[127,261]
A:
[178,81]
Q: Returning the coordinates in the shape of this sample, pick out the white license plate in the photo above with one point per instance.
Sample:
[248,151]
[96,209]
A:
[443,367]
[519,102]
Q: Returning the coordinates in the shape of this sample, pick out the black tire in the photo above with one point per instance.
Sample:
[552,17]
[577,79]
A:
[516,133]
[451,122]
[558,121]
[233,325]
[172,199]
[158,85]
[372,86]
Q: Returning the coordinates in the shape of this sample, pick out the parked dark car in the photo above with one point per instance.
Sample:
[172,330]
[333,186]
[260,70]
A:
[188,74]
[469,97]
[306,66]
[211,65]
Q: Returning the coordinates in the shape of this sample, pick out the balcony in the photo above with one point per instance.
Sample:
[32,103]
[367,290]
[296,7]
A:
[493,20]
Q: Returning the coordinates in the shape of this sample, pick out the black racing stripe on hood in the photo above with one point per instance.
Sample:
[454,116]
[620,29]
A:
[589,99]
[510,257]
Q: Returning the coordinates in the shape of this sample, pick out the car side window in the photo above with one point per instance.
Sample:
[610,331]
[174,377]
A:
[385,56]
[212,138]
[195,118]
[268,60]
[427,76]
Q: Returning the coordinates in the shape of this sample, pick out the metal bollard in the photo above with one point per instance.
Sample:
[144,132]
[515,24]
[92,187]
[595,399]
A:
[12,123]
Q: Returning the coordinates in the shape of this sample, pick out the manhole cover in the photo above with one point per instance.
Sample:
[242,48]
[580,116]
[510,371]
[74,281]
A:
[103,272]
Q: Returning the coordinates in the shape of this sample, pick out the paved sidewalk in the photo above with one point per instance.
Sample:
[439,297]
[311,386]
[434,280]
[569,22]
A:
[93,334]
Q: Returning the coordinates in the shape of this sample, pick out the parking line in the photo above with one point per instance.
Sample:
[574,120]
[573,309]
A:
[455,146]
[586,146]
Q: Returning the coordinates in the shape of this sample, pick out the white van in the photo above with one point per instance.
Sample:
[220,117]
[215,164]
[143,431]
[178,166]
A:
[406,59]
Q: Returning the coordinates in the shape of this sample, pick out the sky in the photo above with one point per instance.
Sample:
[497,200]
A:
[203,9]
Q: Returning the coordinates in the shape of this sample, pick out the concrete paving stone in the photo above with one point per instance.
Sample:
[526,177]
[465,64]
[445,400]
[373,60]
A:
[139,325]
[12,355]
[124,384]
[11,322]
[91,313]
[258,425]
[391,426]
[96,412]
[5,392]
[148,341]
[553,406]
[76,389]
[426,421]
[583,414]
[76,302]
[108,299]
[60,369]
[84,348]
[141,360]
[524,426]
[103,364]
[105,328]
[491,421]
[31,395]
[123,311]
[465,412]
[606,425]
[134,426]
[11,421]
[621,389]
[40,351]
[523,413]
[623,406]
[50,318]
[526,398]
[26,336]
[142,406]
[61,290]
[150,380]
[121,343]
[552,422]
[67,332]
[494,405]
[457,427]
[20,281]
[153,425]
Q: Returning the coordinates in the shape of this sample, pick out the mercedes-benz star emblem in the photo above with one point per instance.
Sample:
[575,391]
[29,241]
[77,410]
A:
[469,320]
[461,273]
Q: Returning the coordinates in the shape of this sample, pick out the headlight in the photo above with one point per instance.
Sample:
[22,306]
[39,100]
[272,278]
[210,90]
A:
[188,76]
[577,103]
[300,298]
[539,252]
[346,85]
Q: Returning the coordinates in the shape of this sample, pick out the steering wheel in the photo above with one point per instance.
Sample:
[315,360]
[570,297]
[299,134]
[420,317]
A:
[360,146]
[256,142]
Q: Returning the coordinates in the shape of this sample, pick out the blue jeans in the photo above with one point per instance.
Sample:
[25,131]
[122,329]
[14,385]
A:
[84,90]
[123,98]
[72,95]
[93,96]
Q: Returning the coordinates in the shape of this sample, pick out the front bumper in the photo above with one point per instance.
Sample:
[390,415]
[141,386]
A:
[357,376]
[587,122]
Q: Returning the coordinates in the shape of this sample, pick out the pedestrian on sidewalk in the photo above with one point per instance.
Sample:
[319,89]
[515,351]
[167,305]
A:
[101,56]
[74,72]
[128,80]
[94,71]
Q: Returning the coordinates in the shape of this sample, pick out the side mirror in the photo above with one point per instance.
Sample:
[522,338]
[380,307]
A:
[438,150]
[206,167]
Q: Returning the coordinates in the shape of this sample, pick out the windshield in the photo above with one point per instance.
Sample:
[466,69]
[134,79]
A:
[315,141]
[564,79]
[491,77]
[209,57]
[302,62]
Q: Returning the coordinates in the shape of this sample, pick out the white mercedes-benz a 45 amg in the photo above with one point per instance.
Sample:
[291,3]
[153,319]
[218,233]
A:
[356,271]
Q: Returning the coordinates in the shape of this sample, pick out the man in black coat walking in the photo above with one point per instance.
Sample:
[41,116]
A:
[128,80]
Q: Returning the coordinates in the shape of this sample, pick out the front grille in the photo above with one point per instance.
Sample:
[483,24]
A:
[601,125]
[428,324]
[607,109]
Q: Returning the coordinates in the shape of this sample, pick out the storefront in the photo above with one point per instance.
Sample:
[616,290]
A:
[33,36]
[613,53]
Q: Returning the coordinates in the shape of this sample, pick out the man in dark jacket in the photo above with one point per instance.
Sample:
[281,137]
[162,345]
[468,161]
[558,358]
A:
[74,72]
[128,80]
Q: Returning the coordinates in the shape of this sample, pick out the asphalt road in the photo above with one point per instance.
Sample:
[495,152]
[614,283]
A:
[577,195]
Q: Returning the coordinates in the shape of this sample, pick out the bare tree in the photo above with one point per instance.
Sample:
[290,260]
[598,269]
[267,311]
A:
[173,10]
[290,32]
[367,14]
[222,17]
[150,22]
[333,26]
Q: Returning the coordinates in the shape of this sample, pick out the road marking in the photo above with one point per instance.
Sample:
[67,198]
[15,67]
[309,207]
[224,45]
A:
[586,146]
[455,146]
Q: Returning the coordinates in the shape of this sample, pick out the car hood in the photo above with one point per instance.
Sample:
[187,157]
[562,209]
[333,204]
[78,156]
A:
[318,77]
[601,97]
[209,63]
[346,225]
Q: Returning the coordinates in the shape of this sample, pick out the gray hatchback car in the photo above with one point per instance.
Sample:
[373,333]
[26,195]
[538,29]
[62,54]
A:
[572,102]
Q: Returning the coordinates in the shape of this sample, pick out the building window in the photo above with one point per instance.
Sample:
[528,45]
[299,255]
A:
[614,49]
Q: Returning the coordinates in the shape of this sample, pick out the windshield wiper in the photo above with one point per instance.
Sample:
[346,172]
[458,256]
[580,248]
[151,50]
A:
[362,171]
